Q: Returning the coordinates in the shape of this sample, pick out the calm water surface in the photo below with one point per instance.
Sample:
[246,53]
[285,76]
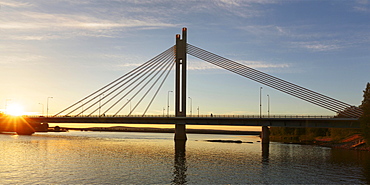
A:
[153,158]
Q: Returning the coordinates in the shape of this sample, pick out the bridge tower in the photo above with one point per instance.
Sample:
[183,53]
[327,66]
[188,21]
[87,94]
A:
[180,83]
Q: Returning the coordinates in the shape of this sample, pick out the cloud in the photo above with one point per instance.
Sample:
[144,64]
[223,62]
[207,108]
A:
[45,20]
[13,4]
[38,24]
[362,6]
[35,20]
[242,8]
[317,46]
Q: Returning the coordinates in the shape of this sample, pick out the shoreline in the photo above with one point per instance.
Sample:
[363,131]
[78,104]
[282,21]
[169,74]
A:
[353,142]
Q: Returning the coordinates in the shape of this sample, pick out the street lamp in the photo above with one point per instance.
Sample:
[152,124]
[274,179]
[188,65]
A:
[268,105]
[260,102]
[191,106]
[42,109]
[47,106]
[168,103]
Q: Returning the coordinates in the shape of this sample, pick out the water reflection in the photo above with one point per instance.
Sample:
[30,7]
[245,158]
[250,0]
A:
[349,158]
[149,158]
[367,170]
[265,152]
[180,167]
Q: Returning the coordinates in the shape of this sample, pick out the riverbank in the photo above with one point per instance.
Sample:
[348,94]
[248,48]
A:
[353,142]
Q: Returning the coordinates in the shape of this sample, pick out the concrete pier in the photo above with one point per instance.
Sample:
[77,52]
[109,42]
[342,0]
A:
[180,85]
[180,132]
[265,135]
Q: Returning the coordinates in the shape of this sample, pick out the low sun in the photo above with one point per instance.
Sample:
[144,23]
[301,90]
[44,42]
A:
[15,110]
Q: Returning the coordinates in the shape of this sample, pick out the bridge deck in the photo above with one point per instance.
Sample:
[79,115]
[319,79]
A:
[229,120]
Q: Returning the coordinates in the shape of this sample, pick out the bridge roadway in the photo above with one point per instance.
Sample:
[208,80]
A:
[228,120]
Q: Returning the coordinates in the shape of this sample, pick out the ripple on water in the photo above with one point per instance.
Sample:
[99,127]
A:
[150,158]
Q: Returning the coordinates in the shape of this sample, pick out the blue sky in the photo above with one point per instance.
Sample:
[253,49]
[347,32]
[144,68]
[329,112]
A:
[67,49]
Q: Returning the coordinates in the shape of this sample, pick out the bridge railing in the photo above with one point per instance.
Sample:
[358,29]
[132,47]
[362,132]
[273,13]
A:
[190,116]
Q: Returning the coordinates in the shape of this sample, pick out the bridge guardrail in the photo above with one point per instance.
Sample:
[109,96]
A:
[194,116]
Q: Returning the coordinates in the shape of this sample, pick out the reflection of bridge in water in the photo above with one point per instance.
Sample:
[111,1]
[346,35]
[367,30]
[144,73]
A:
[147,79]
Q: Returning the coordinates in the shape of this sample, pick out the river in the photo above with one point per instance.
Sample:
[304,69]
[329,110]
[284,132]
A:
[153,158]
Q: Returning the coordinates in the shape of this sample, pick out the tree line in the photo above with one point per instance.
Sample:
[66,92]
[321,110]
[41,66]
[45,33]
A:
[301,134]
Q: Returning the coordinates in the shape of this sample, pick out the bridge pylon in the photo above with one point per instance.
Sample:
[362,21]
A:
[180,85]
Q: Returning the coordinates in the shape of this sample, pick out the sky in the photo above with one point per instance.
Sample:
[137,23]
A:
[67,49]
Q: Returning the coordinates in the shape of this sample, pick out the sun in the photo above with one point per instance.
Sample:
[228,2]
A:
[15,110]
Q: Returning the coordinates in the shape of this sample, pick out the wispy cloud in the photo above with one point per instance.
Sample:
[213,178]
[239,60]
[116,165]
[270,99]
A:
[317,46]
[310,37]
[29,24]
[362,6]
[14,4]
[66,27]
[43,20]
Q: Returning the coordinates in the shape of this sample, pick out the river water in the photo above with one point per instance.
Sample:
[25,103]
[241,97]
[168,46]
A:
[153,158]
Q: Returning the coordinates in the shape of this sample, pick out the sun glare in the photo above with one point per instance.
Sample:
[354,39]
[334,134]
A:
[15,110]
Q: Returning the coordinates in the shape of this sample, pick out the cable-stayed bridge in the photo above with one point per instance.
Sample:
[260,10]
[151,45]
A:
[142,84]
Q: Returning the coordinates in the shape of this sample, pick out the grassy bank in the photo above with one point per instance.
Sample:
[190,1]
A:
[333,137]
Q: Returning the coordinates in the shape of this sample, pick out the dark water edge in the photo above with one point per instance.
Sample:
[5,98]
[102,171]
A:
[346,143]
[164,130]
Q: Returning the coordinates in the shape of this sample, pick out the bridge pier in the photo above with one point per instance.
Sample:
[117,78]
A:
[265,135]
[180,84]
[180,132]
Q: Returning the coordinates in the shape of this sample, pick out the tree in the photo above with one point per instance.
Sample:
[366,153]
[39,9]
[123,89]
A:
[365,118]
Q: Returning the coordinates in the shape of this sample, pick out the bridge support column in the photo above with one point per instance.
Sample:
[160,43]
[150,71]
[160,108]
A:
[180,83]
[265,135]
[180,132]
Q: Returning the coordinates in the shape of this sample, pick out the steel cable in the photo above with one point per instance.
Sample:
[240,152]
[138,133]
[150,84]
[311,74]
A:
[150,88]
[154,62]
[166,63]
[276,83]
[146,73]
[155,94]
[241,71]
[233,70]
[117,81]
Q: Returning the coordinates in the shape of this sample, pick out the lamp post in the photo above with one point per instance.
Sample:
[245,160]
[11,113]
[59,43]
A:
[47,106]
[191,106]
[42,108]
[198,111]
[168,103]
[268,105]
[260,102]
